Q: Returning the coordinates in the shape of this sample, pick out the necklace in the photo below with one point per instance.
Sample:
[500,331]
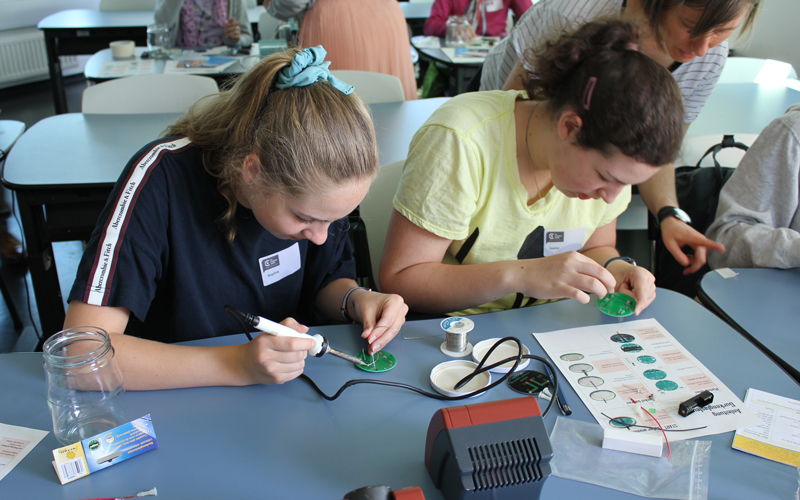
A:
[528,150]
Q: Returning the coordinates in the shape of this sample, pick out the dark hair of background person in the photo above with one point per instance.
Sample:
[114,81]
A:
[635,107]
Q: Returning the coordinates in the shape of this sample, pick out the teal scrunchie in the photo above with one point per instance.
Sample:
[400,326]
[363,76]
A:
[307,67]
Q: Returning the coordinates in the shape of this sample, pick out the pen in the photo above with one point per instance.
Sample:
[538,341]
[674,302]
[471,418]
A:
[560,401]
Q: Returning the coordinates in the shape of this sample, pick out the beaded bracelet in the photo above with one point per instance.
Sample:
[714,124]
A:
[345,315]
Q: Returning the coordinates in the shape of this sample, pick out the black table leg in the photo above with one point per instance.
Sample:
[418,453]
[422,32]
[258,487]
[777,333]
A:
[56,77]
[42,265]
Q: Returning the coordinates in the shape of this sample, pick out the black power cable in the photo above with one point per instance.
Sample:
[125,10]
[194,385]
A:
[478,370]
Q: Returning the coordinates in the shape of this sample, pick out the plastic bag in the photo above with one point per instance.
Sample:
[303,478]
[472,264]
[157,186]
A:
[436,81]
[578,455]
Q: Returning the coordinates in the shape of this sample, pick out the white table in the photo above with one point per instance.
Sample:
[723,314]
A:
[85,31]
[94,66]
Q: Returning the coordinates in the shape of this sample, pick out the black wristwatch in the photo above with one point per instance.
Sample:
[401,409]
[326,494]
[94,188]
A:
[673,212]
[629,260]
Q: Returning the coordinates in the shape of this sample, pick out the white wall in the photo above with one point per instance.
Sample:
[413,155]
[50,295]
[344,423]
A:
[776,34]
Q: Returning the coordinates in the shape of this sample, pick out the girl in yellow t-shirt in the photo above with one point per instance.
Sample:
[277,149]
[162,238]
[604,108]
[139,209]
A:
[506,200]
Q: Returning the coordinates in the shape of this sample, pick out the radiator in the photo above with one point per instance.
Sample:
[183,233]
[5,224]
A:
[23,57]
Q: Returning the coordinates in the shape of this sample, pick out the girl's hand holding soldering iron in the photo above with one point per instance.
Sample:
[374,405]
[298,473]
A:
[381,314]
[270,359]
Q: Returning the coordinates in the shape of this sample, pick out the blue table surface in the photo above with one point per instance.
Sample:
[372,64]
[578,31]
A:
[765,303]
[287,442]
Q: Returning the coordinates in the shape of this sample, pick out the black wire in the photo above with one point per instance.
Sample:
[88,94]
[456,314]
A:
[478,370]
[233,312]
[628,426]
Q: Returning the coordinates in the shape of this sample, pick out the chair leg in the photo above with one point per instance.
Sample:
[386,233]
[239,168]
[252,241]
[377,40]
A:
[12,309]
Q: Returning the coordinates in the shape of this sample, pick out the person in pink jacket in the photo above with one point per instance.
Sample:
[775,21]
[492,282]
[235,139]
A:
[487,17]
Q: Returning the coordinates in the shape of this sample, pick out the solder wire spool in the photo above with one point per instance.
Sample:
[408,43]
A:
[456,343]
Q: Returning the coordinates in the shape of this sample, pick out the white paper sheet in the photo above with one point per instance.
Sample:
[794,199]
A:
[171,66]
[115,69]
[15,443]
[467,57]
[611,365]
[777,437]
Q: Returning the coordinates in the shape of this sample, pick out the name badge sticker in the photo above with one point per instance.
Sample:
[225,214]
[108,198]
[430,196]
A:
[279,265]
[563,240]
[493,5]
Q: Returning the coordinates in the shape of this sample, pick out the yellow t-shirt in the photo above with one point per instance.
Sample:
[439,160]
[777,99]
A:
[461,182]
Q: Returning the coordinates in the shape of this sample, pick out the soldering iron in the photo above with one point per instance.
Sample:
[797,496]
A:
[321,346]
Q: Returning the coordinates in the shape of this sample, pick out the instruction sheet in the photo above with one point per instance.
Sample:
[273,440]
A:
[619,369]
[778,435]
[116,69]
[15,443]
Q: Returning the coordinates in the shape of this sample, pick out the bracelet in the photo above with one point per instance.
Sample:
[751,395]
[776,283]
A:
[626,259]
[346,316]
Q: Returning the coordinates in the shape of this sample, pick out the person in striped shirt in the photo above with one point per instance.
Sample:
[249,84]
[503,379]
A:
[686,36]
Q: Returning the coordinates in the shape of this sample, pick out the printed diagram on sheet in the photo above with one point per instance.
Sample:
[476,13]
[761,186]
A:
[618,368]
[15,443]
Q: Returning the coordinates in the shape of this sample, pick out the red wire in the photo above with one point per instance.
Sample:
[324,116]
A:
[669,451]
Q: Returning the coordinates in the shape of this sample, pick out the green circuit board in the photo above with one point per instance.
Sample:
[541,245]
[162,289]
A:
[381,361]
[617,304]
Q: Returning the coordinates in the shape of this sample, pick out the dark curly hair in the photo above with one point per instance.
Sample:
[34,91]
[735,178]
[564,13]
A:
[635,106]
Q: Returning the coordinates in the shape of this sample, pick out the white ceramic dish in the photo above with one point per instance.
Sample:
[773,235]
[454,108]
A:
[506,350]
[444,377]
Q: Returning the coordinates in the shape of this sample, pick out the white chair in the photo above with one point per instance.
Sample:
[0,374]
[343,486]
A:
[127,5]
[376,209]
[147,94]
[753,69]
[372,88]
[268,25]
[695,147]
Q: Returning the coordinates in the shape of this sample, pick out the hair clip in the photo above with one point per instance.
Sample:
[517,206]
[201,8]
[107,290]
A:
[587,94]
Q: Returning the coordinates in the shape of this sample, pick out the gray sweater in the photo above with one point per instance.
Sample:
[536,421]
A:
[757,217]
[169,12]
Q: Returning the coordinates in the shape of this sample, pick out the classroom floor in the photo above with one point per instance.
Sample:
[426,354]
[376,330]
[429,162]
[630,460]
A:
[30,103]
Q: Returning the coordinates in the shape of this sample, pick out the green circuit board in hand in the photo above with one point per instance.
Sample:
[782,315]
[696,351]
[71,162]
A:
[617,304]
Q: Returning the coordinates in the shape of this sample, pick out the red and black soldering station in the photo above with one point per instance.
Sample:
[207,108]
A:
[496,450]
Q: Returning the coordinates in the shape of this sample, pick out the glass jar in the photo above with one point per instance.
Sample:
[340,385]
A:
[158,41]
[84,384]
[459,32]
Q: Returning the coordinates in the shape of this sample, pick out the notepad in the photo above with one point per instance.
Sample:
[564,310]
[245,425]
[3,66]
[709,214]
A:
[215,61]
[778,437]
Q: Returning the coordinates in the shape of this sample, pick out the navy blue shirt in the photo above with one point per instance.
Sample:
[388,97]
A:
[161,251]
